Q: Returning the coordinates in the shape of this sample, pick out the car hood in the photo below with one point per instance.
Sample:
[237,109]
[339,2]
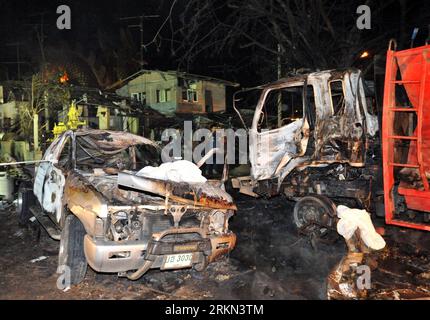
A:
[197,194]
[128,189]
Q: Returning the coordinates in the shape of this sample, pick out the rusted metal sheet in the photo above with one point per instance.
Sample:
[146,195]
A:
[329,148]
[122,214]
[198,194]
[338,138]
[222,245]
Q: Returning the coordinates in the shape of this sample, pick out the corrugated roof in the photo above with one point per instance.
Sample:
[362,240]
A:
[181,74]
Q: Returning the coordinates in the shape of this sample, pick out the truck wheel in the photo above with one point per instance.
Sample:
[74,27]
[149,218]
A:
[314,214]
[25,199]
[71,253]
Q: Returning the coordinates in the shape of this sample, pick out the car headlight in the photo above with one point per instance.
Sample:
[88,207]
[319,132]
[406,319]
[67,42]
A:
[217,222]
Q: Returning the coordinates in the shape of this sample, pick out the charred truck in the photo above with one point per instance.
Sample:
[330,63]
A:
[314,139]
[88,194]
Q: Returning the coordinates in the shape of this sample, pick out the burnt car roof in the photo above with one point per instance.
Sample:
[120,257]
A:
[336,73]
[115,138]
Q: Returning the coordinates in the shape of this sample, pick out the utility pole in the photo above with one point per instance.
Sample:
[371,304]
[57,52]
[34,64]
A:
[18,61]
[279,74]
[35,118]
[140,26]
[40,33]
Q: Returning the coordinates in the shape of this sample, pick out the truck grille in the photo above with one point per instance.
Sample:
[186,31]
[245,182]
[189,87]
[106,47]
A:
[155,223]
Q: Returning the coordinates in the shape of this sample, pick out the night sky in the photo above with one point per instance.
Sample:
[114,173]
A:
[100,39]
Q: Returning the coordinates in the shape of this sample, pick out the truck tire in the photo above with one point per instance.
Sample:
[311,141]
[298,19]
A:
[314,212]
[71,254]
[25,199]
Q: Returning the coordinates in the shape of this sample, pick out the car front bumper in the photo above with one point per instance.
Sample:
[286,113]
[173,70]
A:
[111,256]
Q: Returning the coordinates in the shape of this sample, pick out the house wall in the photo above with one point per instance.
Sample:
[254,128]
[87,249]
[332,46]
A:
[151,82]
[191,107]
[9,110]
[218,98]
[13,109]
[218,95]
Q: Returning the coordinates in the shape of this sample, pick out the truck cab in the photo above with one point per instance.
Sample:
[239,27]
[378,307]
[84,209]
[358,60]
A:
[313,134]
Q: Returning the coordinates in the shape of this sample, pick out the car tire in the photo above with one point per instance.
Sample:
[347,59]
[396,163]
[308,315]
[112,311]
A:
[202,265]
[25,199]
[309,210]
[71,257]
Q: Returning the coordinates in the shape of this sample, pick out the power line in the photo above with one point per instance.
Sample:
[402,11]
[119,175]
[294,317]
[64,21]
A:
[140,26]
[18,61]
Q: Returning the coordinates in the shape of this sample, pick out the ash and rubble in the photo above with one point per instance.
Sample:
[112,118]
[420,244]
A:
[270,262]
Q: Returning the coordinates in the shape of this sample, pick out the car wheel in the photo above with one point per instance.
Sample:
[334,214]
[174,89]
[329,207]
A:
[314,214]
[201,266]
[71,258]
[25,199]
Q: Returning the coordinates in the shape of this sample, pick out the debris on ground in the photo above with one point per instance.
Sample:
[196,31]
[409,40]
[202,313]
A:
[397,272]
[41,258]
[222,277]
[300,271]
[353,220]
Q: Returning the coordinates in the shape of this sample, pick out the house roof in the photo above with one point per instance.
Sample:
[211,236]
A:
[93,97]
[184,75]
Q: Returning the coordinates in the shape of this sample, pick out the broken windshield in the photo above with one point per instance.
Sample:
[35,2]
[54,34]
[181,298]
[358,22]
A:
[90,154]
[284,106]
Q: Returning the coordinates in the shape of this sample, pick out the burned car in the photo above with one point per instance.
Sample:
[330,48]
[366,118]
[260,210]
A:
[88,195]
[314,139]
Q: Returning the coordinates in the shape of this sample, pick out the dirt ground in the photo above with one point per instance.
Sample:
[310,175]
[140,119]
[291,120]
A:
[270,262]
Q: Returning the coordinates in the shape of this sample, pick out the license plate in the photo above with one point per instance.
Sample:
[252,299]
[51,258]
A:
[176,261]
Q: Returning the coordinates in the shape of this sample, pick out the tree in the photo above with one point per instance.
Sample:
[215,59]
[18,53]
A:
[314,34]
[45,91]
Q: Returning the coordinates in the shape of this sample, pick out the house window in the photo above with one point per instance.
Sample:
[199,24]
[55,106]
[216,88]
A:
[140,96]
[163,95]
[184,95]
[168,94]
[190,94]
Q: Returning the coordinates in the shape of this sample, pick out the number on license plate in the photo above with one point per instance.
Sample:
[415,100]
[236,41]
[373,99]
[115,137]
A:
[175,261]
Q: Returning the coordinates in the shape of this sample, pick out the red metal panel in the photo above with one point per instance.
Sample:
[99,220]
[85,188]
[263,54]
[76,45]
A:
[409,225]
[416,199]
[415,71]
[387,125]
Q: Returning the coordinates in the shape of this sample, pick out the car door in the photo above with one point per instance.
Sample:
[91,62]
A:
[277,137]
[340,131]
[50,179]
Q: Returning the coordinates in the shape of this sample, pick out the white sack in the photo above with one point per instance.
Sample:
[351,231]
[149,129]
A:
[353,219]
[178,171]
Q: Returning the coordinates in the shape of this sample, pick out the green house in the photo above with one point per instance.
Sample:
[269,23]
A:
[171,92]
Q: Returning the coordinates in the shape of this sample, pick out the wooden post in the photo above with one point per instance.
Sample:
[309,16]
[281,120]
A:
[279,102]
[36,131]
